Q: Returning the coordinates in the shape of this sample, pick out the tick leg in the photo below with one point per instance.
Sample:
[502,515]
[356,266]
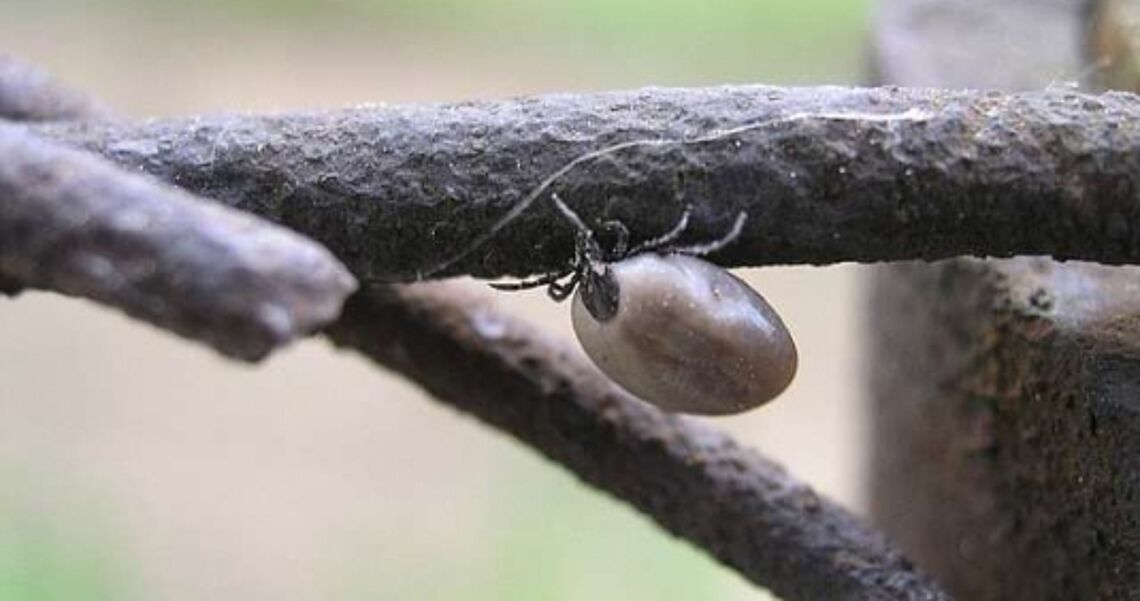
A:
[667,237]
[560,292]
[700,250]
[542,280]
[569,214]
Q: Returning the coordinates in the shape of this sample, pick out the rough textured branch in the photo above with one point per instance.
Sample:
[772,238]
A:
[29,94]
[694,481]
[78,225]
[825,174]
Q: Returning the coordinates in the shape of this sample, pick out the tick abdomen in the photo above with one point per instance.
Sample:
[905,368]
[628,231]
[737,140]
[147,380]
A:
[689,337]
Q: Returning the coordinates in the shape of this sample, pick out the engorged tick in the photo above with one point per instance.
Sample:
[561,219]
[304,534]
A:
[674,330]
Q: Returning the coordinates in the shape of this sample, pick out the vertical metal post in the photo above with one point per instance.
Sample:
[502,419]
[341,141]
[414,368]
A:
[1006,394]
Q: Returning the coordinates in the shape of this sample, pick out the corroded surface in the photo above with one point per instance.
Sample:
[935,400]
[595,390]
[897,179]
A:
[825,174]
[1010,426]
[1007,445]
[691,479]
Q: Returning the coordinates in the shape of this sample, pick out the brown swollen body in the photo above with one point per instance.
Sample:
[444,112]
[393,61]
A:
[688,337]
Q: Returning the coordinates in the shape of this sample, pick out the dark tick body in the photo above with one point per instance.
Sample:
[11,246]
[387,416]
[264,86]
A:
[688,337]
[677,331]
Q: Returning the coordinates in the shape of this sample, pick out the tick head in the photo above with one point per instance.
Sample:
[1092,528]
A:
[600,291]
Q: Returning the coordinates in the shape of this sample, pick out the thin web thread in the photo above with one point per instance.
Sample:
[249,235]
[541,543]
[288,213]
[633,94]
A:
[529,200]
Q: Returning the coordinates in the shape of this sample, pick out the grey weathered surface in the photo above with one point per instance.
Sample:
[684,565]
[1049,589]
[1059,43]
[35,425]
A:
[692,480]
[1007,447]
[825,174]
[1009,426]
[76,224]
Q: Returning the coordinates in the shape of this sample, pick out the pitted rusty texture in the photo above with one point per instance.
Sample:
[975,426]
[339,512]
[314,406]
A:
[1006,417]
[694,481]
[825,174]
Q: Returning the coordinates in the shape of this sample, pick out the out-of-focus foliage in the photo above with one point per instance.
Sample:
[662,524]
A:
[53,554]
[554,540]
[699,42]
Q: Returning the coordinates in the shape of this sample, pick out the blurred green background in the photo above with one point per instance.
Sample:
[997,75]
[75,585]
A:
[133,465]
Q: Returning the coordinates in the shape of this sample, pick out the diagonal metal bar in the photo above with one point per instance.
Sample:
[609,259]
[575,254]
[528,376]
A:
[79,225]
[694,481]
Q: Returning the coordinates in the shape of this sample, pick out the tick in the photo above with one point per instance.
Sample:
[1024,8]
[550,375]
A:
[674,330]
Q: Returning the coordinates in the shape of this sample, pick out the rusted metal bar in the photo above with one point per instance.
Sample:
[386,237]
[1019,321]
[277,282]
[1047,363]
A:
[692,480]
[1006,452]
[825,174]
[76,224]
